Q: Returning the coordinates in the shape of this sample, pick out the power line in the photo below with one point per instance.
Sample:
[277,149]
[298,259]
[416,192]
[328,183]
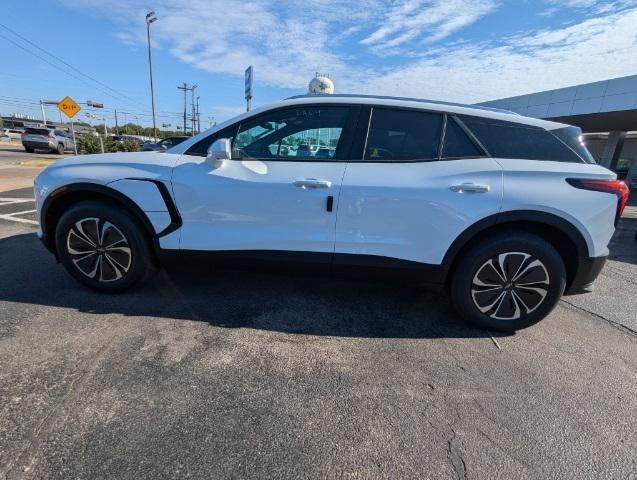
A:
[68,64]
[59,68]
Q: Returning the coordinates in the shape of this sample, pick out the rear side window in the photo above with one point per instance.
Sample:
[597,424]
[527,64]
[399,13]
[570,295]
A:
[403,135]
[457,142]
[572,136]
[37,131]
[514,140]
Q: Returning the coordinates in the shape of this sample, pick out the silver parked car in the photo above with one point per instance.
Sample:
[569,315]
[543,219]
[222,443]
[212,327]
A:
[50,139]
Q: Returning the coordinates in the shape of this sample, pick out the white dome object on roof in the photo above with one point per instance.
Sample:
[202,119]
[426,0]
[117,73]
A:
[321,84]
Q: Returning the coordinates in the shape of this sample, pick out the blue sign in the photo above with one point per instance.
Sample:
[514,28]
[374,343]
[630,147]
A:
[248,82]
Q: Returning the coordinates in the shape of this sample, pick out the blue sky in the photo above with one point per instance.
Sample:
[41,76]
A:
[457,50]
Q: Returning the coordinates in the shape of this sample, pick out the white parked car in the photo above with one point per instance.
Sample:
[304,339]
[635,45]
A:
[11,134]
[506,213]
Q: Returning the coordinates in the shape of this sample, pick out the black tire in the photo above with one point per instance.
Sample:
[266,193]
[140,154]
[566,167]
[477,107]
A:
[476,283]
[60,149]
[29,150]
[107,269]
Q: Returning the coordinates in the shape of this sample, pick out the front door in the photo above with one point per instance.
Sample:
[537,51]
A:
[278,192]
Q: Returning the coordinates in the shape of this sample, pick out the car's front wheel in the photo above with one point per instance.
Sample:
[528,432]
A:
[103,246]
[508,281]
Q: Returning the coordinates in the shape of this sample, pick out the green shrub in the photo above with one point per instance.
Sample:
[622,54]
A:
[129,145]
[89,144]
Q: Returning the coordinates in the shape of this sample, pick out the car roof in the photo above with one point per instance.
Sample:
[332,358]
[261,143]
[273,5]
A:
[376,100]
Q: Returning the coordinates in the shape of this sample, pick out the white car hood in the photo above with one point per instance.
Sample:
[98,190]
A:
[144,159]
[105,168]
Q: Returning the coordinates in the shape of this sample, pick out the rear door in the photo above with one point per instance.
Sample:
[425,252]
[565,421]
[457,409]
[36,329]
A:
[422,180]
[275,193]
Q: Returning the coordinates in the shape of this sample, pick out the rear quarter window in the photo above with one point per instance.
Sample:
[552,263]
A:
[513,140]
[37,131]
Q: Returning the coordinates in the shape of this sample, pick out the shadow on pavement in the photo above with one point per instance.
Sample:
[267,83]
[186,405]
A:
[297,304]
[623,246]
[26,192]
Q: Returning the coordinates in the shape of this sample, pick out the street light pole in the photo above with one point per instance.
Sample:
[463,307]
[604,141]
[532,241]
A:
[150,18]
[43,114]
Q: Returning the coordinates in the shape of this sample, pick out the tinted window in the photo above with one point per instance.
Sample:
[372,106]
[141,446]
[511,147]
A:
[299,133]
[37,131]
[514,140]
[403,135]
[572,136]
[457,142]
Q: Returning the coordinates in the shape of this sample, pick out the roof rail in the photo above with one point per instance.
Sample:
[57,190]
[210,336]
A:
[407,99]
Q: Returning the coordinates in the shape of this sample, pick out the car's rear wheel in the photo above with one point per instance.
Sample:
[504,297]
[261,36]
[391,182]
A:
[103,246]
[29,150]
[508,281]
[60,149]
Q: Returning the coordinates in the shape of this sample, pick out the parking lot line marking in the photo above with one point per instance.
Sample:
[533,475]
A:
[8,200]
[20,213]
[10,218]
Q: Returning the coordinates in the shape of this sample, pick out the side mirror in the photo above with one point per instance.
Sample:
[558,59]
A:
[220,150]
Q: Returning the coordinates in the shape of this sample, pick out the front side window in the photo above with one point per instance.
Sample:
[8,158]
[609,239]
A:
[514,140]
[403,135]
[297,133]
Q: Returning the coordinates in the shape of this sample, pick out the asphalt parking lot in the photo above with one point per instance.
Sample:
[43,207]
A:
[213,373]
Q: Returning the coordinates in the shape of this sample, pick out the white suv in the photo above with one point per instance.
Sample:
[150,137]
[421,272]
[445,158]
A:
[505,212]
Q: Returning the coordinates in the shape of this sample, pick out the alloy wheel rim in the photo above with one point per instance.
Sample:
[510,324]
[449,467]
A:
[510,285]
[98,249]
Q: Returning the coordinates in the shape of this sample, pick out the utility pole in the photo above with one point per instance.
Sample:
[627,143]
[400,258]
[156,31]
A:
[192,109]
[150,18]
[197,116]
[185,88]
[116,125]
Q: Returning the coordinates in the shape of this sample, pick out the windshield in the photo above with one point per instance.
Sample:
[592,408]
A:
[572,136]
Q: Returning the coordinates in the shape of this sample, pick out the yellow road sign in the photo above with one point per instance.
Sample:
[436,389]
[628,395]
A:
[68,107]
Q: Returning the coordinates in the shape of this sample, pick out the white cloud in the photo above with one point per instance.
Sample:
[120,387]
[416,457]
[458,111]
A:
[287,43]
[594,49]
[432,20]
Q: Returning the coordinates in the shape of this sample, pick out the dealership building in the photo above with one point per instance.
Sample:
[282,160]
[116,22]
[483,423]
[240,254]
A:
[606,112]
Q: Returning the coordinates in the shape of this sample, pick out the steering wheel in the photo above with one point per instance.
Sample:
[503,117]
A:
[378,153]
[256,151]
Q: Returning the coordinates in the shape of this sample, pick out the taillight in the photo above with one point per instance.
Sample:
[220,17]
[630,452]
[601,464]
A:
[617,187]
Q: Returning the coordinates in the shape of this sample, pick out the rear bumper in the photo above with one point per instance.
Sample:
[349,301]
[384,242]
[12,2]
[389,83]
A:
[588,269]
[39,145]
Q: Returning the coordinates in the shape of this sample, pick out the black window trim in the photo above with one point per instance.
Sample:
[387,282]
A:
[363,113]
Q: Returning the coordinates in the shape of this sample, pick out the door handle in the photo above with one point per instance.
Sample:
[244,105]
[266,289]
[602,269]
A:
[470,187]
[313,183]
